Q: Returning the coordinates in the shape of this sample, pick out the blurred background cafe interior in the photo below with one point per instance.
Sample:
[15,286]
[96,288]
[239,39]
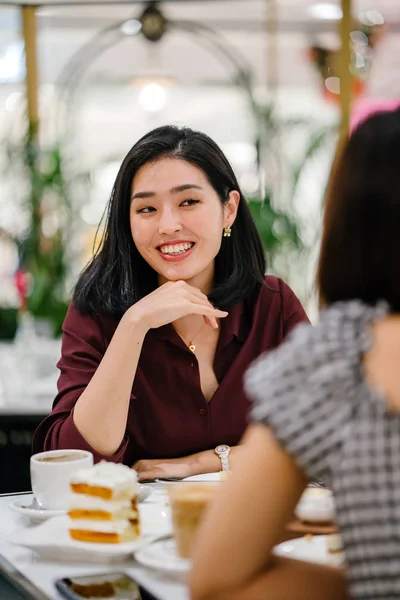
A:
[275,83]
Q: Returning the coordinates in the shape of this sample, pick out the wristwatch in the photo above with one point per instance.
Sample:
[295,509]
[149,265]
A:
[223,452]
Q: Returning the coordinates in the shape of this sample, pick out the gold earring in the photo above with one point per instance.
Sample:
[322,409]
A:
[227,231]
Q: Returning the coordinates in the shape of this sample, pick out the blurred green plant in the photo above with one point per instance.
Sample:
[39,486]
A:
[280,228]
[47,210]
[8,322]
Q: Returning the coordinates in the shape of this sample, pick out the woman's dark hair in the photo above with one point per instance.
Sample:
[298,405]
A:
[360,249]
[118,276]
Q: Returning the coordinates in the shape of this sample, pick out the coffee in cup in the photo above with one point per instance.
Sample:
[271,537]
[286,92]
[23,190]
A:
[188,504]
[62,457]
[51,472]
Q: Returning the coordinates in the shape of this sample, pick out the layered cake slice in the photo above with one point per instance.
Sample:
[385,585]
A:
[103,504]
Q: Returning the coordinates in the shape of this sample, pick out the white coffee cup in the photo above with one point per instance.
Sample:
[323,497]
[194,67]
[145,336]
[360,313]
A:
[51,472]
[316,506]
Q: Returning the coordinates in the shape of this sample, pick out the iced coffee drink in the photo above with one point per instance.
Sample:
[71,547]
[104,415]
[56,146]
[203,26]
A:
[188,503]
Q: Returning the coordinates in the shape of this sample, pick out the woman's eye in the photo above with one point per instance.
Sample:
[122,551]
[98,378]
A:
[189,202]
[145,210]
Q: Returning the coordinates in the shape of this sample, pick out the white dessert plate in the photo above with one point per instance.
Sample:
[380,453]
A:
[51,539]
[28,507]
[144,492]
[162,555]
[311,549]
[203,477]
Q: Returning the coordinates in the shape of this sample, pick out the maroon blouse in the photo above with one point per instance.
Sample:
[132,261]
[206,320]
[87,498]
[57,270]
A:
[168,414]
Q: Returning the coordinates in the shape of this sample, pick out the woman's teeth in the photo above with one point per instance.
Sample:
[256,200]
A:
[176,248]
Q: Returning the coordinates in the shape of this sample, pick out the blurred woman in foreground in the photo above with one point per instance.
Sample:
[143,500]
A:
[326,406]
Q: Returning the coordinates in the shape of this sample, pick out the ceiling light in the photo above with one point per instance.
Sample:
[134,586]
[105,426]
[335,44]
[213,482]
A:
[152,97]
[329,11]
[359,61]
[131,27]
[375,17]
[359,37]
[332,84]
[371,17]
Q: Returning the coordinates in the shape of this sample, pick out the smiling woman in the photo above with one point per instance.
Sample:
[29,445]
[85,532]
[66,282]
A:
[167,316]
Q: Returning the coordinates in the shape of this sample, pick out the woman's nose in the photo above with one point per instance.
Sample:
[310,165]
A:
[169,222]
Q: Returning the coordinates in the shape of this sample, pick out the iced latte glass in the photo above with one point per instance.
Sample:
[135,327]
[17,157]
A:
[188,503]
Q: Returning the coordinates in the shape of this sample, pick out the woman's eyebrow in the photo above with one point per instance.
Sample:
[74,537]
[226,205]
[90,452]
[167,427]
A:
[185,186]
[174,190]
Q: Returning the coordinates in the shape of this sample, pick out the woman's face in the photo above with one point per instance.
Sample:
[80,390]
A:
[177,220]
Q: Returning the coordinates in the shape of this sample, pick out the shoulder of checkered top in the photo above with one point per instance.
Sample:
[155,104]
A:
[318,353]
[307,390]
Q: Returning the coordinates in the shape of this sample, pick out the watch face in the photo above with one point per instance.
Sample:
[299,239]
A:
[222,449]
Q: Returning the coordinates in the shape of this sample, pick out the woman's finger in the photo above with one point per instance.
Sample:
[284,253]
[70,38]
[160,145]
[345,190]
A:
[208,311]
[148,475]
[196,296]
[211,321]
[199,299]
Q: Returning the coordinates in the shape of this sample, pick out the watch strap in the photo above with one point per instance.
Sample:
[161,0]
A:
[224,461]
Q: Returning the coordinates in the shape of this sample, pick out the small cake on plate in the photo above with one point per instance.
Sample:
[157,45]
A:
[316,506]
[103,504]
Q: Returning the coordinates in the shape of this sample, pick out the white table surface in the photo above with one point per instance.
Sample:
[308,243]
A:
[43,573]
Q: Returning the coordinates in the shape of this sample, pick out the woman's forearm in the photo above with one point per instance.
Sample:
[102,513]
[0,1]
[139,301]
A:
[187,466]
[286,579]
[101,412]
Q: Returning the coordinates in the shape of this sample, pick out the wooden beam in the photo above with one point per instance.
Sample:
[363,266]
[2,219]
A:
[345,29]
[31,80]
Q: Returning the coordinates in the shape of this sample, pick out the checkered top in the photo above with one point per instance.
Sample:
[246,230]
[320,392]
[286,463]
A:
[313,393]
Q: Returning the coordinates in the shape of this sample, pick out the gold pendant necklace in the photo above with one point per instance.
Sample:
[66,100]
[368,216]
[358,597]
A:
[191,345]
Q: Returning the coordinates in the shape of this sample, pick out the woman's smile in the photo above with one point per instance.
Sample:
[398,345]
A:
[175,251]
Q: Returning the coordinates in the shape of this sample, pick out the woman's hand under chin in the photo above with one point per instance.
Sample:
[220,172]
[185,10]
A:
[170,302]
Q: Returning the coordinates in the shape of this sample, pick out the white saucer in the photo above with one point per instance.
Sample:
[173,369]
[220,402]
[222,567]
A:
[51,539]
[312,549]
[162,555]
[28,507]
[204,477]
[214,477]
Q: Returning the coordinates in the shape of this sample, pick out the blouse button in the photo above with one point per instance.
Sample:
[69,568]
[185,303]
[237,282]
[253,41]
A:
[203,412]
